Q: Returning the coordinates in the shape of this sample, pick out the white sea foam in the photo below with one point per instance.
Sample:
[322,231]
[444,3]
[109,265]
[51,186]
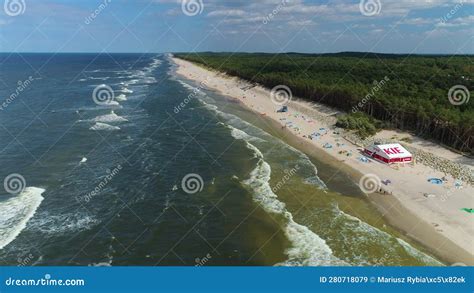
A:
[110,118]
[121,98]
[98,78]
[304,160]
[109,257]
[113,103]
[15,212]
[103,126]
[192,88]
[148,80]
[132,81]
[64,223]
[307,247]
[126,90]
[242,135]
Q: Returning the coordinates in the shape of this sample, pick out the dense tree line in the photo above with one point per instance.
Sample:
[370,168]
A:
[405,92]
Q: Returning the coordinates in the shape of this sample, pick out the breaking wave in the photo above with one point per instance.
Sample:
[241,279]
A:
[104,126]
[16,212]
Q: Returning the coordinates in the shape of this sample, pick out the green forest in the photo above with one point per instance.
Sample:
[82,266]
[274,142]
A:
[407,92]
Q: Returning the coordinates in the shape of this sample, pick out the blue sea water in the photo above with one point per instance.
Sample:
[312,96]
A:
[103,182]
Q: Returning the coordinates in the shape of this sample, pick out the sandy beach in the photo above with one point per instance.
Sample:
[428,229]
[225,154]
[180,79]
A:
[428,213]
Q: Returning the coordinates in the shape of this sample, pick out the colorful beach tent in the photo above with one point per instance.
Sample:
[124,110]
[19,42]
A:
[471,211]
[389,153]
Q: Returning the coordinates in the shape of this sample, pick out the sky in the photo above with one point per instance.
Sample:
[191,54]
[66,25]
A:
[403,26]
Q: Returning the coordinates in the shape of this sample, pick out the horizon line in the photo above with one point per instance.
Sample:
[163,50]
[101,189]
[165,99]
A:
[245,52]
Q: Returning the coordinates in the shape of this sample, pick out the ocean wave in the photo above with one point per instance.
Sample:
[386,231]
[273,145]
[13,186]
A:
[148,80]
[121,98]
[307,247]
[65,223]
[109,256]
[242,135]
[153,65]
[110,118]
[418,254]
[103,126]
[126,90]
[309,169]
[98,78]
[364,234]
[199,93]
[16,212]
[131,82]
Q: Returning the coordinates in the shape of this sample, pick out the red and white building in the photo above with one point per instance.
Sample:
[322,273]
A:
[389,153]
